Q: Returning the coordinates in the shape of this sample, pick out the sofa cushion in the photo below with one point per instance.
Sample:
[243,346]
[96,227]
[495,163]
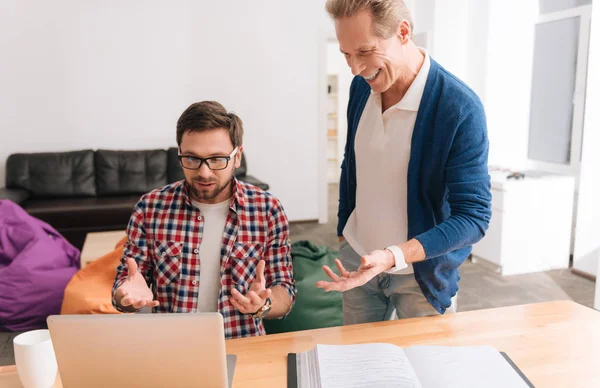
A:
[82,212]
[18,196]
[56,174]
[174,169]
[253,181]
[130,172]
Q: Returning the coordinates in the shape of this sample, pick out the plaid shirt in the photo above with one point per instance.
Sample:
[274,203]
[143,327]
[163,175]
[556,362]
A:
[164,237]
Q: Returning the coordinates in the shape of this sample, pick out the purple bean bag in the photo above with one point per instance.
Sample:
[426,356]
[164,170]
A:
[36,263]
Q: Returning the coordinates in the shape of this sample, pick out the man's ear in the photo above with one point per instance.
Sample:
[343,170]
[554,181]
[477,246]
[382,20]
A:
[238,157]
[404,31]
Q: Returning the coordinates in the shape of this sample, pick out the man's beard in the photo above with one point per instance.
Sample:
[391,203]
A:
[207,195]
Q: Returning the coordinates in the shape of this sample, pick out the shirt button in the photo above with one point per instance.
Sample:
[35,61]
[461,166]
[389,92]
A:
[196,250]
[163,254]
[199,218]
[193,282]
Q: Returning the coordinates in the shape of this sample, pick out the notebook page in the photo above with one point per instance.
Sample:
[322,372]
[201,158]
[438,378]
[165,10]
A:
[365,366]
[462,367]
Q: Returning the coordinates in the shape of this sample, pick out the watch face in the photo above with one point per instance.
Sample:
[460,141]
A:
[265,312]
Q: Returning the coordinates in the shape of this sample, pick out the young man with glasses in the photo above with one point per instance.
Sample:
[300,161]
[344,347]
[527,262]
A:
[210,242]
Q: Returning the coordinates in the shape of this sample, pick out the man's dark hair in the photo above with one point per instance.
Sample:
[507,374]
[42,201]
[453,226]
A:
[207,115]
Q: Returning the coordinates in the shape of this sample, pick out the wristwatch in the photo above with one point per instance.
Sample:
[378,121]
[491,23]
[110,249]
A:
[263,311]
[399,259]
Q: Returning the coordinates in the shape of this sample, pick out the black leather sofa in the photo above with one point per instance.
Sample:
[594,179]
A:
[91,191]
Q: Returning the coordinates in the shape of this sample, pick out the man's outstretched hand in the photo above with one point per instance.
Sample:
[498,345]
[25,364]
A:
[134,292]
[370,266]
[257,294]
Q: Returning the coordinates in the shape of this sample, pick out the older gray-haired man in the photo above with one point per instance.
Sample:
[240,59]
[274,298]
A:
[414,188]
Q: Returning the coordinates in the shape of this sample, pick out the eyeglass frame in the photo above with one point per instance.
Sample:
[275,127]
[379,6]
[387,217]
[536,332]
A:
[205,160]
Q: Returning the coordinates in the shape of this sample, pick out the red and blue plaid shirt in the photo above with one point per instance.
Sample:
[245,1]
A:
[164,237]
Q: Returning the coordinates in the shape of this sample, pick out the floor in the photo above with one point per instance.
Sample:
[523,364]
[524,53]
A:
[480,288]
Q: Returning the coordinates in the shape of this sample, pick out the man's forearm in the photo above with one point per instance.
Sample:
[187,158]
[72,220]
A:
[281,302]
[413,251]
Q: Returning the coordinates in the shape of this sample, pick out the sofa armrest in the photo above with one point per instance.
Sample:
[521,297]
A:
[18,196]
[253,181]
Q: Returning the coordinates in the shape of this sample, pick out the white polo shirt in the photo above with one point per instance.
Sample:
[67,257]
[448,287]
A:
[382,148]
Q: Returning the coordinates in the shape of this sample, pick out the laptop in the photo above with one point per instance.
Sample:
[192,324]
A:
[141,350]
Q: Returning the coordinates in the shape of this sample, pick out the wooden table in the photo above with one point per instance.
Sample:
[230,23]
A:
[98,244]
[556,344]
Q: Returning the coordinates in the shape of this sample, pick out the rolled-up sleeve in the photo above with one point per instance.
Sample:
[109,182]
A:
[135,248]
[278,253]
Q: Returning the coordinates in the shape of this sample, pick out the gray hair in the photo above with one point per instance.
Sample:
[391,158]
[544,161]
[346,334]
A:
[387,14]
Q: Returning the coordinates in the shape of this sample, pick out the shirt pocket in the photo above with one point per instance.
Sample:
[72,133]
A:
[167,261]
[244,259]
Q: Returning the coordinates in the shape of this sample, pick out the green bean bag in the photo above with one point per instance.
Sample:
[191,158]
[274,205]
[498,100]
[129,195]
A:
[314,308]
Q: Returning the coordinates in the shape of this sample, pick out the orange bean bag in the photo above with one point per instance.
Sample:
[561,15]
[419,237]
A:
[89,291]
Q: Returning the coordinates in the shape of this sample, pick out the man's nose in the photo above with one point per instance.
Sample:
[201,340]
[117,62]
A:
[204,171]
[356,66]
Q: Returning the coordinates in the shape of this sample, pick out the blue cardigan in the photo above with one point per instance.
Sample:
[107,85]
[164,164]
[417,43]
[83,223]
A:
[449,199]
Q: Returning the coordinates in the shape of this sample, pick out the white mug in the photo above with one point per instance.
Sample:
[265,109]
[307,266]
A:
[35,359]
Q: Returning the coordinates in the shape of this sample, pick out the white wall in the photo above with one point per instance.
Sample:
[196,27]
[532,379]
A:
[589,189]
[458,31]
[477,46]
[472,39]
[423,12]
[117,74]
[450,35]
[587,237]
[508,79]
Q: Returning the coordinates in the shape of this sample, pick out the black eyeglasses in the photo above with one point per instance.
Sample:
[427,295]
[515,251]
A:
[214,163]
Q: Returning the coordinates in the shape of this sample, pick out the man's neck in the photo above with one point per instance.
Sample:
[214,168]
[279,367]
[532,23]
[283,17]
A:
[408,73]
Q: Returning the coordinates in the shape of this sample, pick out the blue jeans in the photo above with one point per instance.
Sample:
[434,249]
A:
[384,297]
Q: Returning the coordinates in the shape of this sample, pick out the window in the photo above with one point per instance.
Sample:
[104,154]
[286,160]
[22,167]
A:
[558,90]
[548,6]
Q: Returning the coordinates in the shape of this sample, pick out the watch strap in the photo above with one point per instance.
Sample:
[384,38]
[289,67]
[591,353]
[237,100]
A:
[399,259]
[264,310]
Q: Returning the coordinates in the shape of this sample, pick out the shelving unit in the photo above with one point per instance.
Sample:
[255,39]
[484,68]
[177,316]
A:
[333,164]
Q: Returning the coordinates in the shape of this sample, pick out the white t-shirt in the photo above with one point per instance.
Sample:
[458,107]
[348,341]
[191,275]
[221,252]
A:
[382,148]
[215,217]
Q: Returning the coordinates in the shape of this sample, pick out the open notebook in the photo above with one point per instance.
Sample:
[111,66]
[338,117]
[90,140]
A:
[386,365]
